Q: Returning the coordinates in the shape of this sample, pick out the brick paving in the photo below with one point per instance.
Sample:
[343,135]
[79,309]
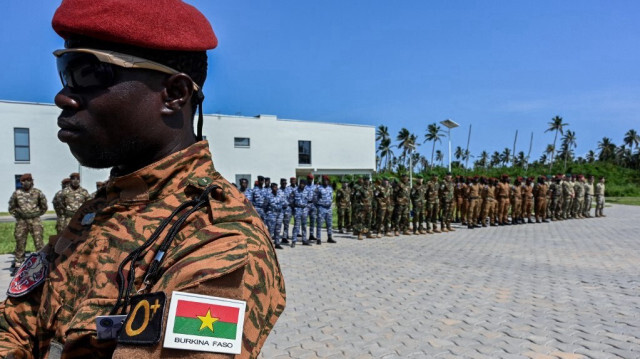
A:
[564,290]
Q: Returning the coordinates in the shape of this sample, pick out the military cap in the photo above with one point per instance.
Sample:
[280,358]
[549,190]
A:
[74,175]
[504,175]
[310,175]
[267,178]
[66,180]
[325,177]
[303,181]
[260,178]
[255,183]
[274,184]
[520,178]
[26,177]
[154,24]
[292,179]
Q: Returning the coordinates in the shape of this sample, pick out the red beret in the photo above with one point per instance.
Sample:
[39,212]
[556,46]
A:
[157,24]
[26,177]
[66,180]
[325,177]
[310,175]
[292,179]
[74,174]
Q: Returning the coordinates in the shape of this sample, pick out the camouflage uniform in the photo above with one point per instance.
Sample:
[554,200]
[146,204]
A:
[343,201]
[368,208]
[578,201]
[61,221]
[27,207]
[401,201]
[473,209]
[599,193]
[387,224]
[312,207]
[433,206]
[489,204]
[257,199]
[298,200]
[381,196]
[556,200]
[567,196]
[358,201]
[324,197]
[275,203]
[71,200]
[288,211]
[222,250]
[417,201]
[588,199]
[446,201]
[540,196]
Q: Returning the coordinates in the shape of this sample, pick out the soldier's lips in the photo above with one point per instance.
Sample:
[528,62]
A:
[68,132]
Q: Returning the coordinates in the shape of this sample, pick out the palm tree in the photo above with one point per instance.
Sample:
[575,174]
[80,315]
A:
[433,134]
[557,125]
[521,159]
[439,157]
[466,154]
[591,156]
[505,156]
[407,143]
[495,159]
[458,153]
[384,148]
[632,139]
[484,159]
[607,149]
[543,158]
[568,142]
[549,151]
[382,133]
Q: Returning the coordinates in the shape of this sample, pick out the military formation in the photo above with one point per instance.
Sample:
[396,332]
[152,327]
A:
[429,205]
[27,204]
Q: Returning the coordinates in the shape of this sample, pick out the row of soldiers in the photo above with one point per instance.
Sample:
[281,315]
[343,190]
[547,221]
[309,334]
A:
[27,204]
[386,208]
[304,200]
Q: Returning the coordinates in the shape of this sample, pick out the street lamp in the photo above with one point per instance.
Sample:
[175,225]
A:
[449,124]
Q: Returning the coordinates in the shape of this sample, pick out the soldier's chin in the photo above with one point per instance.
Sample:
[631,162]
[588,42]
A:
[93,159]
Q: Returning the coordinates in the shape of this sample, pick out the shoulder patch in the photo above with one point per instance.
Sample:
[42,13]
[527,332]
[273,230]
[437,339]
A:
[29,276]
[144,321]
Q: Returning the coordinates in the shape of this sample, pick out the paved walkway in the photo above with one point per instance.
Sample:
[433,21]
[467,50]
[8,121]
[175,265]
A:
[564,290]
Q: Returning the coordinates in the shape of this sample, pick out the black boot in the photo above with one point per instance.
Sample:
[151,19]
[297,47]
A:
[330,240]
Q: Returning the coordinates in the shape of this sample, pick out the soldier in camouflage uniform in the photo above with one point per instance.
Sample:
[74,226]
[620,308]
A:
[578,201]
[446,202]
[473,200]
[368,207]
[299,202]
[26,205]
[275,203]
[433,204]
[567,196]
[599,193]
[358,201]
[417,201]
[489,204]
[516,201]
[381,197]
[589,192]
[167,221]
[288,212]
[324,195]
[527,199]
[59,208]
[343,202]
[401,197]
[72,198]
[556,198]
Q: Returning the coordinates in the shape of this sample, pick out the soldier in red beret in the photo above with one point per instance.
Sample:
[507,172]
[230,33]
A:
[168,250]
[27,204]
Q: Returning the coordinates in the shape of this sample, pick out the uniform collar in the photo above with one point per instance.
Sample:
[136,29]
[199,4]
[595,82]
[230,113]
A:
[160,178]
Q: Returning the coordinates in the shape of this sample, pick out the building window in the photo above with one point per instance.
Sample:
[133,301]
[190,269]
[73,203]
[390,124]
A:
[247,177]
[304,152]
[242,142]
[21,144]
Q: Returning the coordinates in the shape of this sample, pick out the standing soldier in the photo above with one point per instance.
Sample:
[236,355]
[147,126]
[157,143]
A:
[556,198]
[459,199]
[488,195]
[26,205]
[599,193]
[473,198]
[368,207]
[73,197]
[387,189]
[578,200]
[516,201]
[274,207]
[324,194]
[298,200]
[588,197]
[527,200]
[358,199]
[417,201]
[286,216]
[257,197]
[312,209]
[502,192]
[433,207]
[381,198]
[540,195]
[244,188]
[401,200]
[446,201]
[567,196]
[59,208]
[343,201]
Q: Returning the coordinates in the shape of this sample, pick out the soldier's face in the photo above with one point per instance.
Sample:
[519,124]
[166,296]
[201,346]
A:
[26,184]
[117,125]
[75,183]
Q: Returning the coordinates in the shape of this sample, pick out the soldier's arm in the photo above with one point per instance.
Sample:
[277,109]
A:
[18,325]
[13,205]
[42,204]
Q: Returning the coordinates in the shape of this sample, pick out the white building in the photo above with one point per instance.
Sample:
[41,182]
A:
[241,147]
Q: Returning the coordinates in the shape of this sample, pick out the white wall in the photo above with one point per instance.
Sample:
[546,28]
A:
[273,152]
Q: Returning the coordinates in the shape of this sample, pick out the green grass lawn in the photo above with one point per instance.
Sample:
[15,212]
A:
[8,242]
[635,201]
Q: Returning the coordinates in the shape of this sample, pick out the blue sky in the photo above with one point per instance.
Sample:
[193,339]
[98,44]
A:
[500,66]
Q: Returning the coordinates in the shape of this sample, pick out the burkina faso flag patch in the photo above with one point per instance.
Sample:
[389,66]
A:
[209,320]
[204,323]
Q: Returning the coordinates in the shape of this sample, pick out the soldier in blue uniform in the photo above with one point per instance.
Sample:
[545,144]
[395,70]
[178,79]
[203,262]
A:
[245,190]
[312,209]
[257,198]
[286,216]
[324,195]
[299,203]
[275,204]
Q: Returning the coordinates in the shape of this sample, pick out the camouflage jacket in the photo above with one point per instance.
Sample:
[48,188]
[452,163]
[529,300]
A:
[446,191]
[432,192]
[222,250]
[381,195]
[57,203]
[72,199]
[401,195]
[27,204]
[343,197]
[599,190]
[578,189]
[418,193]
